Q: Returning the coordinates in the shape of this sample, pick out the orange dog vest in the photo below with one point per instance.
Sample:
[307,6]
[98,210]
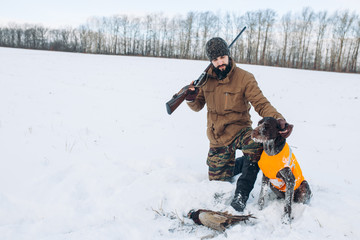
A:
[271,165]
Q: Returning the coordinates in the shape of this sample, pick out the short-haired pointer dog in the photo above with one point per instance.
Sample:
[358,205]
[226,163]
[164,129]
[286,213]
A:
[281,171]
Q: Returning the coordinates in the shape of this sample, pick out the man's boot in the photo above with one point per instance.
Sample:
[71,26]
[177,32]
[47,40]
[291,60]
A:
[244,184]
[239,202]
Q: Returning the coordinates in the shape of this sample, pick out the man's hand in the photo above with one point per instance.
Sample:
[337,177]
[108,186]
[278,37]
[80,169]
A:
[192,92]
[285,128]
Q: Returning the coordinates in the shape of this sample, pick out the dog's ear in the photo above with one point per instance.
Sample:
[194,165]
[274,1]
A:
[287,130]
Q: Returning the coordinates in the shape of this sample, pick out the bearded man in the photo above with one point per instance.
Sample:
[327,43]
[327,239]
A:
[228,93]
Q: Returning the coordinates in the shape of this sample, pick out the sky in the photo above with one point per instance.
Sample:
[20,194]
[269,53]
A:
[76,12]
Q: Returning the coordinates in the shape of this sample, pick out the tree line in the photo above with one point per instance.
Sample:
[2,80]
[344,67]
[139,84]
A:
[305,40]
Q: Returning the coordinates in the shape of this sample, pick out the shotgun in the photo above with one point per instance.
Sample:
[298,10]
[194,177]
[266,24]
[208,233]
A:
[179,97]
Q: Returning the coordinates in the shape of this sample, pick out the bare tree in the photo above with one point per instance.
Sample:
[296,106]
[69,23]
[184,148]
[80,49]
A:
[305,27]
[238,51]
[188,26]
[251,21]
[136,36]
[227,25]
[163,36]
[355,54]
[260,25]
[342,24]
[196,49]
[306,40]
[269,20]
[322,23]
[207,21]
[286,26]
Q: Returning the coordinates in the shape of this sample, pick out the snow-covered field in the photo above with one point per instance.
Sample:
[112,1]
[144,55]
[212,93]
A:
[88,151]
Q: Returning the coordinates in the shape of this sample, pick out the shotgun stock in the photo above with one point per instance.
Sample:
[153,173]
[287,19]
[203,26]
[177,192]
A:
[179,97]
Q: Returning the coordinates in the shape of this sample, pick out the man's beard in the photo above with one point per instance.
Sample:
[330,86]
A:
[223,73]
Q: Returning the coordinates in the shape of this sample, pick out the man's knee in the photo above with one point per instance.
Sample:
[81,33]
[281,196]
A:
[221,171]
[221,164]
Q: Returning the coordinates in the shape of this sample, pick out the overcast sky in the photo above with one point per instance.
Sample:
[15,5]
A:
[75,12]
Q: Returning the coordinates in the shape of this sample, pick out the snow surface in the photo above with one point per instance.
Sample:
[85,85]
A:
[88,151]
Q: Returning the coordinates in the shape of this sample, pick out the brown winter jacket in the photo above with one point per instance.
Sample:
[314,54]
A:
[228,104]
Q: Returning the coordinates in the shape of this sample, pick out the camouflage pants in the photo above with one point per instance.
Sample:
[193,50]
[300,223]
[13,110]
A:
[221,160]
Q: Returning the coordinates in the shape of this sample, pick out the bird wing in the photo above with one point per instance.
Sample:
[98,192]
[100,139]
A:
[213,220]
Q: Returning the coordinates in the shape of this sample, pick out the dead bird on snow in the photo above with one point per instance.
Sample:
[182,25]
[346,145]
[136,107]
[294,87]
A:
[216,220]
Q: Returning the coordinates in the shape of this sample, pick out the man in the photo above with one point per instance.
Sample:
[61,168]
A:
[228,92]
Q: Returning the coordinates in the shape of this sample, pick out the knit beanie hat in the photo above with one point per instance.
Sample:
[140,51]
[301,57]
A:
[216,47]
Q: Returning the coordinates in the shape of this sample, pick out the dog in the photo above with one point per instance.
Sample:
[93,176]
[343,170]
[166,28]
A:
[280,168]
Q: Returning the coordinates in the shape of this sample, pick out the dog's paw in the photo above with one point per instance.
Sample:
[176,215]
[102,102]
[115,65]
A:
[261,203]
[286,219]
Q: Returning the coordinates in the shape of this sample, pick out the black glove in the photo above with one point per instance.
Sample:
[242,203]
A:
[191,94]
[285,128]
